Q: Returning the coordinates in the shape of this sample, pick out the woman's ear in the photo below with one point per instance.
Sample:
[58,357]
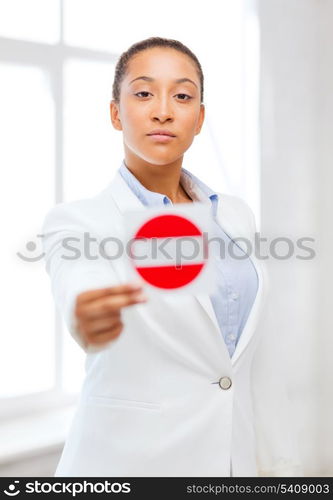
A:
[114,115]
[201,119]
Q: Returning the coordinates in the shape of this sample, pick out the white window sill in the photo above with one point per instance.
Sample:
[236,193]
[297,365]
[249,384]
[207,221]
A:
[33,435]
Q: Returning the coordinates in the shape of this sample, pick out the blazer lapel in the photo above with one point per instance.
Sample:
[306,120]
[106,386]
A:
[123,195]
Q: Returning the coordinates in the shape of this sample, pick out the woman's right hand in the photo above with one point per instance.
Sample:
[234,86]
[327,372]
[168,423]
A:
[98,312]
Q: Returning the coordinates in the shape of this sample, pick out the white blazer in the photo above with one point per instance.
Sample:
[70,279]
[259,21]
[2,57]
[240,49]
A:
[150,403]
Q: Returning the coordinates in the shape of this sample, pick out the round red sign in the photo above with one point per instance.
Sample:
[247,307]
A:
[161,268]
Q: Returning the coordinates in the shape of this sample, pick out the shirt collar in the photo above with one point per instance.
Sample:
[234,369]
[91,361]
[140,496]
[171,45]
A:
[194,187]
[198,190]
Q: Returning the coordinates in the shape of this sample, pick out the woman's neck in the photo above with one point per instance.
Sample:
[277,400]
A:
[164,179]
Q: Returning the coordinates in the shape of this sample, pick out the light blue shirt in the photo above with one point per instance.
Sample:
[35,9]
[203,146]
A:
[237,278]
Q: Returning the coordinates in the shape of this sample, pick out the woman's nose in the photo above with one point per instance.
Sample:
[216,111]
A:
[162,110]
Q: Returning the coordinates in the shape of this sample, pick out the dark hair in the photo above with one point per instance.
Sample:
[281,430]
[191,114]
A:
[148,43]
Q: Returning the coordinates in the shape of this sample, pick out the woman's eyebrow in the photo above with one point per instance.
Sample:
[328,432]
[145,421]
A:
[149,79]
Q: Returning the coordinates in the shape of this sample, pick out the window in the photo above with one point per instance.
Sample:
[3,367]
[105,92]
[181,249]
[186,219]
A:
[56,70]
[27,159]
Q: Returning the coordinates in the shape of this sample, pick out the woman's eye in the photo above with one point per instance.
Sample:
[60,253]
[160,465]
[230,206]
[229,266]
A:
[142,92]
[187,97]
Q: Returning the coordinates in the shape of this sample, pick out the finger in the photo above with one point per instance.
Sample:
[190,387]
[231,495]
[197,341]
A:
[103,292]
[106,336]
[100,324]
[108,305]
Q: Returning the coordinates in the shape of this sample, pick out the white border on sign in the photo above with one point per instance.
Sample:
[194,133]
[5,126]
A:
[199,214]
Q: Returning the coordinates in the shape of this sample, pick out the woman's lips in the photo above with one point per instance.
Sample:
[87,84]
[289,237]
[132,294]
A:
[161,137]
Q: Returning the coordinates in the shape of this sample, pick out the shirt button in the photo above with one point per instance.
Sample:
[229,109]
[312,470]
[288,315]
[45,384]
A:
[231,336]
[234,296]
[225,383]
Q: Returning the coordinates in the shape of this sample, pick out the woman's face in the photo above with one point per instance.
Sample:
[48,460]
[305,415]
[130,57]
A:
[158,101]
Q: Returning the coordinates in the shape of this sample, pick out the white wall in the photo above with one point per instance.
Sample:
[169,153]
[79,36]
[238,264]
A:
[296,183]
[325,225]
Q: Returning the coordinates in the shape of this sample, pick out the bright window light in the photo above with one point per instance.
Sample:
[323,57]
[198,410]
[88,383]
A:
[27,362]
[33,20]
[92,148]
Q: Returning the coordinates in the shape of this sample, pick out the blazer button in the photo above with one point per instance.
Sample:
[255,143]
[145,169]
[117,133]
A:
[225,383]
